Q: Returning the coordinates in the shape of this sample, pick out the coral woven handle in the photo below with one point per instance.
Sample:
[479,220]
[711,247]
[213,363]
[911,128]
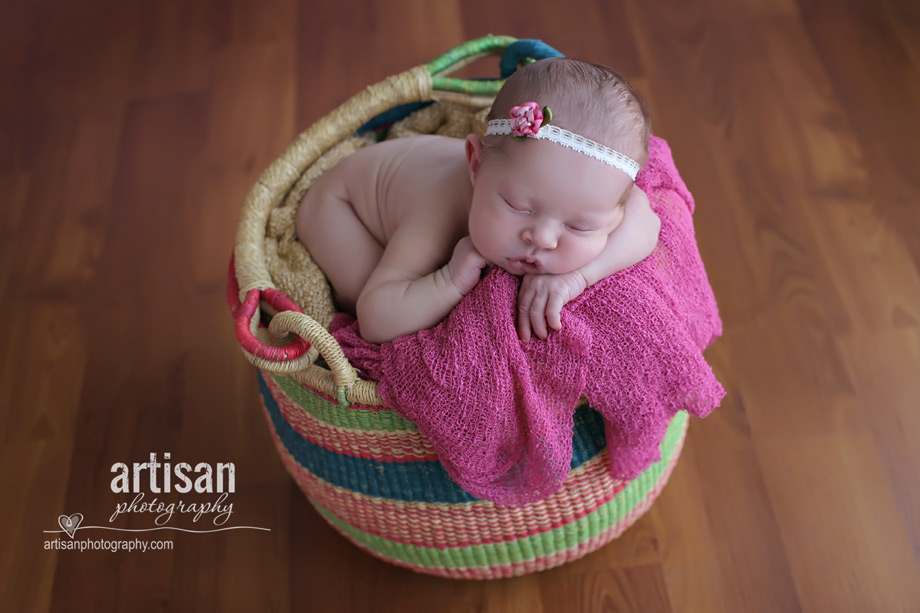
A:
[243,313]
[289,321]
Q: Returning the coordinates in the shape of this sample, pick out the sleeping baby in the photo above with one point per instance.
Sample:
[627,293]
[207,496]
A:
[404,229]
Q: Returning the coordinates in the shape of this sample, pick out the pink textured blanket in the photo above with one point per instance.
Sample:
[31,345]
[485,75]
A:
[499,412]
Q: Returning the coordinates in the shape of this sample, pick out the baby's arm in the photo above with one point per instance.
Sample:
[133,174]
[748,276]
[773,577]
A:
[399,299]
[630,243]
[542,297]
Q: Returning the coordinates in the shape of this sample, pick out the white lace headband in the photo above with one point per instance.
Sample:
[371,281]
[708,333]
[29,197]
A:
[528,120]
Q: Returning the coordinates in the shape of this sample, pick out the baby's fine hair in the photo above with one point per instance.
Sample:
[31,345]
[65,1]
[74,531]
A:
[589,99]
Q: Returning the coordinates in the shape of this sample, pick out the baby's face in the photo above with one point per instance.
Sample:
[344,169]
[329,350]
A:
[541,208]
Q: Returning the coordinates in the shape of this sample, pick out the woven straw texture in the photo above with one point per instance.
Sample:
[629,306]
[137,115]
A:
[370,473]
[374,477]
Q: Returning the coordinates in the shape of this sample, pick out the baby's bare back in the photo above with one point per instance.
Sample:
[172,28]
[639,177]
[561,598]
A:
[408,196]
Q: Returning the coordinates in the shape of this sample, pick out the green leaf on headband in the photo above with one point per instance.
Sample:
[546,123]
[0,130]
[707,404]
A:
[547,115]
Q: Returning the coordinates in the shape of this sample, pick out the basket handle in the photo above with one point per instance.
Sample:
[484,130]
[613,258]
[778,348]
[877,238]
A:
[289,320]
[243,313]
[297,355]
[306,328]
[514,52]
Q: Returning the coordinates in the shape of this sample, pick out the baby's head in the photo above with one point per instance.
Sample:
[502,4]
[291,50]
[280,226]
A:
[588,99]
[539,206]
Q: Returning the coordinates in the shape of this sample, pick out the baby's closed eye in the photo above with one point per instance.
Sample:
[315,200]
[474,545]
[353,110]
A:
[520,208]
[582,228]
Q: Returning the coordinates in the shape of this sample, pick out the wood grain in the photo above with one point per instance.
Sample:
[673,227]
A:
[130,133]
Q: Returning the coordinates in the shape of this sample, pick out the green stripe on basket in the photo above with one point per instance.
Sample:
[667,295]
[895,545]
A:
[487,87]
[336,415]
[470,88]
[468,49]
[531,547]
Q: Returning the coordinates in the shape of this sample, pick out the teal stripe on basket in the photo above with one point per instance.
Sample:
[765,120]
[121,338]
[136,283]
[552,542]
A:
[532,547]
[418,481]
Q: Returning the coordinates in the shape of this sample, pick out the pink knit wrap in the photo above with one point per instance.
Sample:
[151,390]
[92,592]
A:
[499,412]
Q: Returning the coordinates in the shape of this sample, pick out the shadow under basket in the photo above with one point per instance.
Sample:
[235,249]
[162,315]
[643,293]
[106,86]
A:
[370,473]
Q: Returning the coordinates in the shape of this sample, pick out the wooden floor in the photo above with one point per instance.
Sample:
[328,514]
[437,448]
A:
[131,131]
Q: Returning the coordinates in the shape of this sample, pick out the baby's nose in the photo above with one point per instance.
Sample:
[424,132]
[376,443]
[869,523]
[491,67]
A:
[542,236]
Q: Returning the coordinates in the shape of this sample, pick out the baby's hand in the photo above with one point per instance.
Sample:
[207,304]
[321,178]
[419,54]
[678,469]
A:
[465,266]
[541,298]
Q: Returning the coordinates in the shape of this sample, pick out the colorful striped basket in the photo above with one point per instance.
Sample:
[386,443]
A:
[370,473]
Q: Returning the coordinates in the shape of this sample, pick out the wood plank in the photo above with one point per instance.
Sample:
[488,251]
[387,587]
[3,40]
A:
[43,369]
[830,496]
[15,190]
[174,44]
[903,18]
[250,122]
[885,367]
[743,535]
[888,154]
[29,570]
[80,54]
[602,34]
[685,536]
[634,588]
[135,381]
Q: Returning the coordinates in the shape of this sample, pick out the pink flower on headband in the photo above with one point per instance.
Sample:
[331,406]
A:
[526,119]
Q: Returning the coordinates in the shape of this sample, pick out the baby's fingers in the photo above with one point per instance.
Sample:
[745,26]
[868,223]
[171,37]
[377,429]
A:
[523,315]
[538,315]
[553,309]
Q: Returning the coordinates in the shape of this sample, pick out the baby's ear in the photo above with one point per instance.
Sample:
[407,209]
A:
[473,155]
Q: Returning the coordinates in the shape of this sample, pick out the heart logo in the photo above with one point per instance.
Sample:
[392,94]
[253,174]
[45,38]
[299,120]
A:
[70,524]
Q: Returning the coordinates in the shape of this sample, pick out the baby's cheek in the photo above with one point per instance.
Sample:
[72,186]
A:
[589,249]
[483,244]
[601,241]
[600,244]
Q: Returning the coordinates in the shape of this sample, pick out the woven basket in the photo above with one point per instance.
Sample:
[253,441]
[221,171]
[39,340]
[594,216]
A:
[370,473]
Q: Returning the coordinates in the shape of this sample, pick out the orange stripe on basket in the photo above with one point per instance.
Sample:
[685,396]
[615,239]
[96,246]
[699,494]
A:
[558,558]
[451,525]
[400,445]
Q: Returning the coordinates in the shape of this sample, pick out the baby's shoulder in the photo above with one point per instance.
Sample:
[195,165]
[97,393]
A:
[408,158]
[420,146]
[421,181]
